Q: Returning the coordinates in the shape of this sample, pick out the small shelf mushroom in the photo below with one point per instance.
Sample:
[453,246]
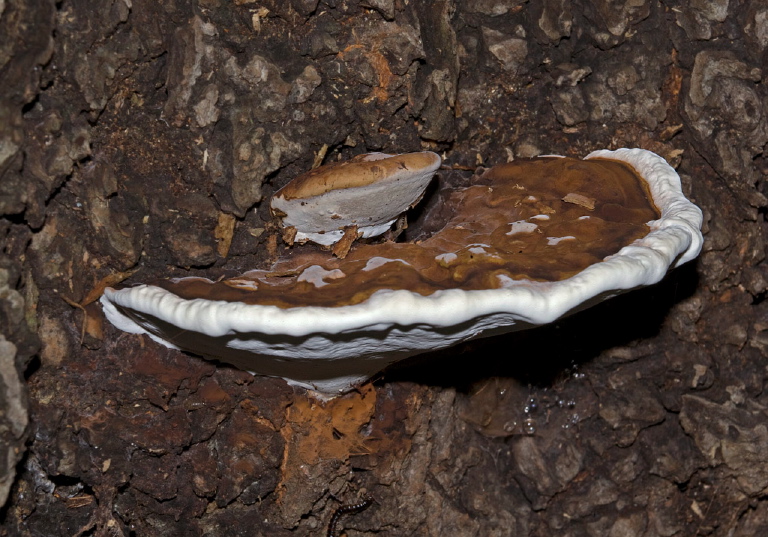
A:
[364,195]
[528,242]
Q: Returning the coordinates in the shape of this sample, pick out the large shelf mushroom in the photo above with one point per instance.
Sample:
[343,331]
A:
[527,242]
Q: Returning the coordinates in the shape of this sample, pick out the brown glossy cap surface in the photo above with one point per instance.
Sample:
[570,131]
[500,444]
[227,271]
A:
[543,219]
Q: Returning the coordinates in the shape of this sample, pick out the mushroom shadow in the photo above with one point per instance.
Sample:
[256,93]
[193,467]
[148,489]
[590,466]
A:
[540,355]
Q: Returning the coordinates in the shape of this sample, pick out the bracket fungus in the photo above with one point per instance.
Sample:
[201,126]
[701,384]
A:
[365,194]
[526,243]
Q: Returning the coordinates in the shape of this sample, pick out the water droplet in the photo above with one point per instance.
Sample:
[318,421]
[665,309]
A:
[510,426]
[529,427]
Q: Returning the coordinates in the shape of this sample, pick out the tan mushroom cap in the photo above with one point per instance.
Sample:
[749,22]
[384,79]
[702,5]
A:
[543,219]
[361,170]
[361,197]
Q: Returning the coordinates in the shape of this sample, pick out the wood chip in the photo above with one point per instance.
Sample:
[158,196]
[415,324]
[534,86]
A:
[93,322]
[669,132]
[320,156]
[225,229]
[580,200]
[341,248]
[108,281]
[81,500]
[289,235]
[272,246]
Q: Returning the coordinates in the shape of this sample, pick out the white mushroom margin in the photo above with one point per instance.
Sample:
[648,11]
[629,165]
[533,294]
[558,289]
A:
[330,350]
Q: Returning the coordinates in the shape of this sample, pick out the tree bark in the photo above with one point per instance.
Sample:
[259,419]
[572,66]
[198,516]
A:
[140,139]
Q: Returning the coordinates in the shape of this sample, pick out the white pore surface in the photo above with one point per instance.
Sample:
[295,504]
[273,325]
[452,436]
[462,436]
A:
[332,349]
[372,208]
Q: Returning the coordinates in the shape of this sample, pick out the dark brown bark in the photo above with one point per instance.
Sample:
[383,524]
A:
[138,139]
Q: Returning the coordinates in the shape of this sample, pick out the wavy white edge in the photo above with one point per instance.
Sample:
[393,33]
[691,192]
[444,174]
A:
[341,333]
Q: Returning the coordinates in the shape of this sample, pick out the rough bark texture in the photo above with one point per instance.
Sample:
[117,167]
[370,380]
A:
[140,138]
